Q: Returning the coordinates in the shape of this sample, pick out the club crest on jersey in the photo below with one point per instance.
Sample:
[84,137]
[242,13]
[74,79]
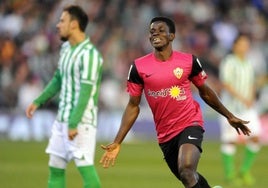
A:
[178,72]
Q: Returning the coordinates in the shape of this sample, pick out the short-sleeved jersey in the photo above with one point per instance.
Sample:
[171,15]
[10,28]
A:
[167,88]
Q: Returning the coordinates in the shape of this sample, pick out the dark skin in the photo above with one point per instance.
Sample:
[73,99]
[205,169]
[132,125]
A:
[188,156]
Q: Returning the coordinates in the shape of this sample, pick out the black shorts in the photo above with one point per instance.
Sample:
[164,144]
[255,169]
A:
[192,135]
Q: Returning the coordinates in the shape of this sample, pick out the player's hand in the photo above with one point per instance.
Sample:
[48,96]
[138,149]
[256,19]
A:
[239,125]
[30,110]
[109,157]
[72,133]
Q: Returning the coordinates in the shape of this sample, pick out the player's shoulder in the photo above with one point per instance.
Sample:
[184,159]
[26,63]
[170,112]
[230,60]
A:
[145,58]
[88,45]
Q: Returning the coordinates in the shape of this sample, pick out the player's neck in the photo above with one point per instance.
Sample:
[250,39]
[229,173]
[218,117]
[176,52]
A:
[75,39]
[240,56]
[163,55]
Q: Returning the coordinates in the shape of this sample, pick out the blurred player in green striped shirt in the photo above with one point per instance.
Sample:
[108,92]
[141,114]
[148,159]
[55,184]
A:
[239,95]
[77,78]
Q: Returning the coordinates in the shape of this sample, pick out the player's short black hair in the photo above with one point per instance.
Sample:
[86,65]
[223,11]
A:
[170,23]
[77,13]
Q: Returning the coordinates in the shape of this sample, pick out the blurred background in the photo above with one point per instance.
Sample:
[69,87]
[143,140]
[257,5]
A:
[29,47]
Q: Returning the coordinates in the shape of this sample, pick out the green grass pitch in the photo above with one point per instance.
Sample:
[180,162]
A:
[139,165]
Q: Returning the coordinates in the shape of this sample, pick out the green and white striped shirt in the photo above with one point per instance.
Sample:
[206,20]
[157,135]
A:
[240,75]
[78,80]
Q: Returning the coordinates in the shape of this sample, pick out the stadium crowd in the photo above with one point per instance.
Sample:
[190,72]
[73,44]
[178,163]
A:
[29,44]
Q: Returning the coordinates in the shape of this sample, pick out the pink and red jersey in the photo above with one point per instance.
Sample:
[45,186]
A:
[167,88]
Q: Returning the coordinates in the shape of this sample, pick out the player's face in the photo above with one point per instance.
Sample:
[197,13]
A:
[159,35]
[64,26]
[242,46]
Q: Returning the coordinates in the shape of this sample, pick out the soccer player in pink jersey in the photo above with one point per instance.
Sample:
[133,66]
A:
[165,76]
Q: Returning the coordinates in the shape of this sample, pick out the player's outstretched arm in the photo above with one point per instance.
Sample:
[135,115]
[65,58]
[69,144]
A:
[129,117]
[210,97]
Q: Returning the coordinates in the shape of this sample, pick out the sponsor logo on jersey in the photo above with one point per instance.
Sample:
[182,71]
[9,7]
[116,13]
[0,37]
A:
[175,92]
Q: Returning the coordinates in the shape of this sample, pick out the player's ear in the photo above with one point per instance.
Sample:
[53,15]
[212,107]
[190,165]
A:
[74,24]
[171,36]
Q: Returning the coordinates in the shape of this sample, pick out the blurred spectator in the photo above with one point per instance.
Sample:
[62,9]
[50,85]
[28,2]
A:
[38,128]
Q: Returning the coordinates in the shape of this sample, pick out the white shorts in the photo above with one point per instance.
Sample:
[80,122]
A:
[82,147]
[229,134]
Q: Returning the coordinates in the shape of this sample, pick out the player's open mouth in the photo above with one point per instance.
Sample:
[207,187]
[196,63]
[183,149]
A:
[156,40]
